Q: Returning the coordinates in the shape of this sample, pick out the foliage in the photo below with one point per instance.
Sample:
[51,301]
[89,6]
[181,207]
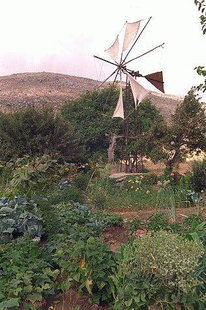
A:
[88,263]
[19,216]
[202,72]
[147,126]
[200,69]
[135,224]
[157,270]
[197,232]
[72,217]
[91,115]
[193,221]
[202,8]
[169,197]
[133,183]
[33,174]
[71,193]
[26,276]
[99,191]
[36,132]
[137,193]
[199,175]
[157,221]
[185,182]
[188,129]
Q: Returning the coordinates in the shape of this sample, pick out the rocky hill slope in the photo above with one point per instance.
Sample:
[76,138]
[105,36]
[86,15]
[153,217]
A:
[22,89]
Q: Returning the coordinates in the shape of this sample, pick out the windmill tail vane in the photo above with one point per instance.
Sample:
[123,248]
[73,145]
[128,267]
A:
[118,52]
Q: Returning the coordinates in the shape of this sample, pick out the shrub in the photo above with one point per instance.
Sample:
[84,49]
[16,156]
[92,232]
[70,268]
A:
[157,270]
[36,132]
[199,175]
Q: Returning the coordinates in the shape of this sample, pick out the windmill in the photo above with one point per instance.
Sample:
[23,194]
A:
[119,52]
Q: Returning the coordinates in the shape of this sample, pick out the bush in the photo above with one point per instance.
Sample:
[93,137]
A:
[157,270]
[36,132]
[199,175]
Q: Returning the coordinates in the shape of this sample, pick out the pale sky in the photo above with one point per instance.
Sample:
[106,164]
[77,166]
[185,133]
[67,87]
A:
[63,35]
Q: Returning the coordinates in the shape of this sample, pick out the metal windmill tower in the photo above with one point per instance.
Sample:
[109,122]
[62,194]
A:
[119,52]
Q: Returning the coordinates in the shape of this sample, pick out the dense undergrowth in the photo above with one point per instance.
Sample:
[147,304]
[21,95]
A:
[51,225]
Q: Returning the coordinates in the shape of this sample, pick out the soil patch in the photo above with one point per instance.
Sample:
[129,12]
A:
[115,236]
[70,300]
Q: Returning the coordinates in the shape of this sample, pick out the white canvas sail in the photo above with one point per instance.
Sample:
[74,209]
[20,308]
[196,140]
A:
[138,91]
[130,34]
[119,111]
[113,50]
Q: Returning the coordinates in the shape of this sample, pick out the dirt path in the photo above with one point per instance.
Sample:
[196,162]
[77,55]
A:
[181,213]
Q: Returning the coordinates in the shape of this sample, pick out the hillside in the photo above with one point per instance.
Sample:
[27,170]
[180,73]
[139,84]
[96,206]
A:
[22,89]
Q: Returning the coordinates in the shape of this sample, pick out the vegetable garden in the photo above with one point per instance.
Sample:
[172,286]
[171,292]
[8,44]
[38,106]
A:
[53,219]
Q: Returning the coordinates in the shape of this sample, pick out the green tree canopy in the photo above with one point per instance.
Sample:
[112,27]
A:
[37,132]
[91,115]
[188,129]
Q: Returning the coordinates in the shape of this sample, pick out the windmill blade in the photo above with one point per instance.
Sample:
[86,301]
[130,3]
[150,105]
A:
[130,34]
[113,50]
[119,110]
[156,79]
[138,91]
[136,40]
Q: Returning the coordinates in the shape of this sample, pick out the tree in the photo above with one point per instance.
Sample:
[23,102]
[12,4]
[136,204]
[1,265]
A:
[188,130]
[147,131]
[91,116]
[37,132]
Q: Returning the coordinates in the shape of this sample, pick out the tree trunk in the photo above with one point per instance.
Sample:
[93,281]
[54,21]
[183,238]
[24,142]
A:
[111,148]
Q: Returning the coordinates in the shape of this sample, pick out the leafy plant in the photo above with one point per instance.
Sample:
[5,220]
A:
[19,216]
[157,221]
[88,263]
[135,224]
[33,174]
[157,270]
[193,221]
[26,275]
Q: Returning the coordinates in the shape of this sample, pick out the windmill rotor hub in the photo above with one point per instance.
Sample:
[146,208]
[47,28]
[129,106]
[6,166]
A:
[121,67]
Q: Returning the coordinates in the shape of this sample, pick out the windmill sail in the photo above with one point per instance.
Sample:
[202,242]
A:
[130,34]
[113,50]
[156,79]
[119,111]
[138,91]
